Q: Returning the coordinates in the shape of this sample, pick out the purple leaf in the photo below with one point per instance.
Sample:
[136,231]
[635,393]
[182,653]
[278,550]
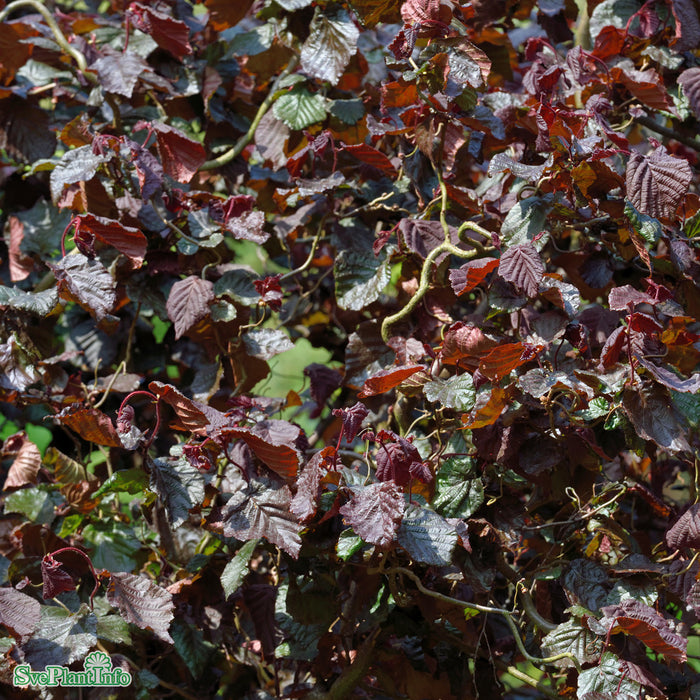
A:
[671,380]
[395,459]
[119,72]
[689,80]
[259,508]
[375,512]
[521,265]
[657,183]
[685,533]
[625,298]
[19,613]
[188,302]
[86,282]
[248,226]
[142,602]
[324,381]
[24,130]
[650,409]
[55,578]
[170,34]
[352,418]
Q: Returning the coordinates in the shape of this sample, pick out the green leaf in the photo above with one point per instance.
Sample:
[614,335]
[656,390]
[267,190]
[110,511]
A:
[131,481]
[688,405]
[456,392]
[608,678]
[77,165]
[299,108]
[359,278]
[179,485]
[348,111]
[331,43]
[572,636]
[458,493]
[39,303]
[112,545]
[524,221]
[61,638]
[265,343]
[255,41]
[37,503]
[237,569]
[348,544]
[301,641]
[427,536]
[114,629]
[238,285]
[647,227]
[190,644]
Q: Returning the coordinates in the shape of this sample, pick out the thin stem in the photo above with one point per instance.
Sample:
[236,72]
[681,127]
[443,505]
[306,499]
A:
[87,559]
[108,388]
[650,124]
[424,285]
[312,253]
[55,29]
[521,676]
[141,392]
[244,140]
[486,609]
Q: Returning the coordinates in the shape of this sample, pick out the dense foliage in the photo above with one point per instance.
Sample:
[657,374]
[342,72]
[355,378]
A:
[349,349]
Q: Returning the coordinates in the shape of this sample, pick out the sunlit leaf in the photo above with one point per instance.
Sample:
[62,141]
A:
[142,602]
[300,108]
[331,43]
[375,512]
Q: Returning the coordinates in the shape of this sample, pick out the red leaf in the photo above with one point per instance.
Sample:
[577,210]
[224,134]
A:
[387,379]
[502,360]
[657,183]
[170,34]
[471,274]
[142,602]
[127,240]
[273,442]
[375,512]
[191,417]
[647,86]
[647,625]
[464,341]
[486,413]
[371,156]
[20,265]
[91,424]
[181,156]
[188,302]
[685,533]
[521,264]
[305,500]
[427,12]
